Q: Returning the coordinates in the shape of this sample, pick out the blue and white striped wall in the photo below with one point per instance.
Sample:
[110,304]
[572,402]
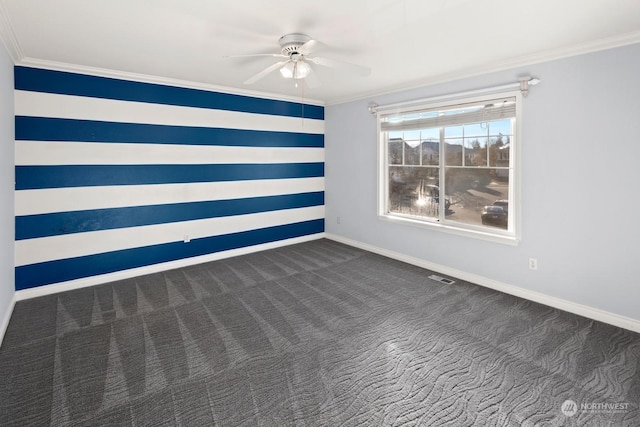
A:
[111,175]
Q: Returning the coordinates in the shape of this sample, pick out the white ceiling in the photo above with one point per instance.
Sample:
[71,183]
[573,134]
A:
[405,42]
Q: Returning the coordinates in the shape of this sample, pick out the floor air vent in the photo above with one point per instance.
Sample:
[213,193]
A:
[442,279]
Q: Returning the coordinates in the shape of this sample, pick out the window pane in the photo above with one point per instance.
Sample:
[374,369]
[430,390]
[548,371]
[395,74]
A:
[413,191]
[453,132]
[431,134]
[500,127]
[472,190]
[411,135]
[499,148]
[475,151]
[395,151]
[412,153]
[431,152]
[475,130]
[453,152]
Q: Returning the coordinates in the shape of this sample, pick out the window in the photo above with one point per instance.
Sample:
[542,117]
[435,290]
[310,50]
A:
[452,166]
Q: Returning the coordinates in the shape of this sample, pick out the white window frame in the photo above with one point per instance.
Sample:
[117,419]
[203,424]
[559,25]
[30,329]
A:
[510,236]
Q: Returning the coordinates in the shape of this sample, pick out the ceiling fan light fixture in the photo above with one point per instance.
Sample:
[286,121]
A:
[288,70]
[295,70]
[302,70]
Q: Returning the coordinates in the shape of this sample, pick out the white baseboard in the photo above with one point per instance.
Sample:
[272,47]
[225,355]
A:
[562,304]
[6,318]
[155,268]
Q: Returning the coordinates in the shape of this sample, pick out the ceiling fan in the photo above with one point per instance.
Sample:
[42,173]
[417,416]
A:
[295,49]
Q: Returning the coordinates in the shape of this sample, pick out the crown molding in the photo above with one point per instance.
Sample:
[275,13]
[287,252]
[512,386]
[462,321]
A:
[8,36]
[146,78]
[521,61]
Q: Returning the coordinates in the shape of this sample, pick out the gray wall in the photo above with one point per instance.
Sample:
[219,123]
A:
[580,172]
[7,176]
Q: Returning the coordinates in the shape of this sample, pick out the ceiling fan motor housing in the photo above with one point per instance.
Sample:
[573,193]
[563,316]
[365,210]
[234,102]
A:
[290,43]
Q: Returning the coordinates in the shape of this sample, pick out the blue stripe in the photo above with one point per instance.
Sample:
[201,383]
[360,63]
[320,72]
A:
[54,129]
[54,224]
[49,81]
[58,176]
[33,275]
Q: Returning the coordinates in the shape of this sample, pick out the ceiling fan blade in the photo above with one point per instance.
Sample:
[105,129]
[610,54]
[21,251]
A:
[264,72]
[333,63]
[312,80]
[252,55]
[308,47]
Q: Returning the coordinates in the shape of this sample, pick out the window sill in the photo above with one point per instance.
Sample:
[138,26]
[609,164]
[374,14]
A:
[503,238]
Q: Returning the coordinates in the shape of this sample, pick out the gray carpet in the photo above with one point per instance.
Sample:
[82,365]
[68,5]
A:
[315,334]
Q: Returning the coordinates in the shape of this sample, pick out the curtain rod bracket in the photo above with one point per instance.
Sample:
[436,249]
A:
[525,82]
[373,108]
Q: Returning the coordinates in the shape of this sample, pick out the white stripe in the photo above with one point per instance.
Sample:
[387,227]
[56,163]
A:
[39,104]
[82,244]
[82,153]
[33,202]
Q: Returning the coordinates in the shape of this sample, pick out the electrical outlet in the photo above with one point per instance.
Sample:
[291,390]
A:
[533,264]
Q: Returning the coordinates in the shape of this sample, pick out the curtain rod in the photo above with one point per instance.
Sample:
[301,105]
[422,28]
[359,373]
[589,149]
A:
[523,84]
